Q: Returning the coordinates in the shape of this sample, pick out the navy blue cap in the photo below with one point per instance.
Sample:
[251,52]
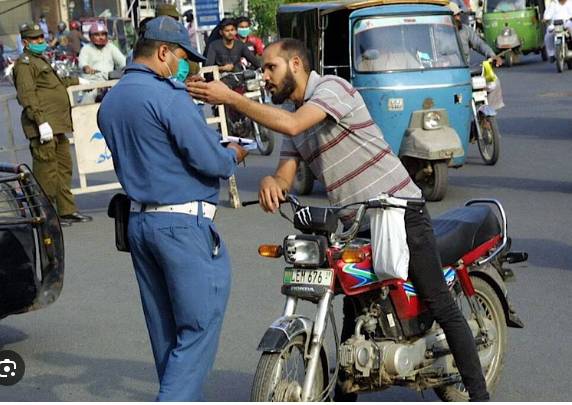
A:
[167,29]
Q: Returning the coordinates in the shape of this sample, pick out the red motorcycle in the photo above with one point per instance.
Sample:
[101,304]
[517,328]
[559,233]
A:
[396,342]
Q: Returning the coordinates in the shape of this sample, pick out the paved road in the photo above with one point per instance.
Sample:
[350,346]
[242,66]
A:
[92,343]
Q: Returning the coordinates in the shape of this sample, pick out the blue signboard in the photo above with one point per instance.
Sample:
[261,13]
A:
[207,12]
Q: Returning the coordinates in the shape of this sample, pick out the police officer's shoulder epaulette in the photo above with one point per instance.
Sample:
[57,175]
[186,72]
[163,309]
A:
[25,59]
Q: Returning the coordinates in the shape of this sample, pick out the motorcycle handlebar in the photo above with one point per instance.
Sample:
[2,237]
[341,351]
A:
[9,167]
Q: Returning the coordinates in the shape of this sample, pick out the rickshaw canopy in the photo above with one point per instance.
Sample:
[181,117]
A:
[309,21]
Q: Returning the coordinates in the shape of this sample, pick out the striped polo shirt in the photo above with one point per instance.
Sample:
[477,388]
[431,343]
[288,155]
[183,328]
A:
[347,152]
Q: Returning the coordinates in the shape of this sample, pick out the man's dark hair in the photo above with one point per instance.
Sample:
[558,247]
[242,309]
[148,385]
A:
[226,22]
[290,47]
[146,47]
[242,19]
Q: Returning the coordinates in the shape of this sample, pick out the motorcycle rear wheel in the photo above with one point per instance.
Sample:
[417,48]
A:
[493,310]
[489,142]
[271,385]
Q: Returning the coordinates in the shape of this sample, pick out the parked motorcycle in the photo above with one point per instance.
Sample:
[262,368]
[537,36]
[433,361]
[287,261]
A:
[63,62]
[249,84]
[396,341]
[484,129]
[562,46]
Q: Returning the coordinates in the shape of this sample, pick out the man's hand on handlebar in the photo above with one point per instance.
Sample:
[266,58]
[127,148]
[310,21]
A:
[271,194]
[497,61]
[229,67]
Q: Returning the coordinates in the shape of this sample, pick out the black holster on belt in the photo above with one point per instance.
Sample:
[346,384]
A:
[118,209]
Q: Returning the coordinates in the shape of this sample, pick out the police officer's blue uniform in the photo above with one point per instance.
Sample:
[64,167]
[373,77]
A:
[165,154]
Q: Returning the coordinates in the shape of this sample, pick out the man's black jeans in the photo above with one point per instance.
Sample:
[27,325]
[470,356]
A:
[426,274]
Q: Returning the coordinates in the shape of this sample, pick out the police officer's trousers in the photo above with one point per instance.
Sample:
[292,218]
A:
[184,285]
[52,166]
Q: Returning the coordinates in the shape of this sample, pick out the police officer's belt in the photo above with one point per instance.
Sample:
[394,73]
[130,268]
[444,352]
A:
[190,208]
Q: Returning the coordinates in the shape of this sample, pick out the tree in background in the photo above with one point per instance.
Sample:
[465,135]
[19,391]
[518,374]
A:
[264,13]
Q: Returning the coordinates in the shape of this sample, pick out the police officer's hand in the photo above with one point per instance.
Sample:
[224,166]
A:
[213,92]
[271,194]
[46,132]
[240,151]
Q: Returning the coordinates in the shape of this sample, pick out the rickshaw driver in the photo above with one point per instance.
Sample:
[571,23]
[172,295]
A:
[557,10]
[334,133]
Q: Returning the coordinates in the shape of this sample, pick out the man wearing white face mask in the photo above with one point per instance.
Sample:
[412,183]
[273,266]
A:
[169,163]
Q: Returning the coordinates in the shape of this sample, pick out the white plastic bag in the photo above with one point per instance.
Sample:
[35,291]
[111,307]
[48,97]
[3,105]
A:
[389,241]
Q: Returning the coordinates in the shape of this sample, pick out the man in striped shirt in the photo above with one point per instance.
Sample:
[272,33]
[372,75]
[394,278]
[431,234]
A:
[332,130]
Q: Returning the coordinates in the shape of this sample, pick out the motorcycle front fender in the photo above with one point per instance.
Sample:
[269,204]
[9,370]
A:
[489,274]
[436,144]
[283,330]
[487,110]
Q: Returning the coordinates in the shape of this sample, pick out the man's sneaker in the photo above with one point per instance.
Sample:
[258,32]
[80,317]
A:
[75,217]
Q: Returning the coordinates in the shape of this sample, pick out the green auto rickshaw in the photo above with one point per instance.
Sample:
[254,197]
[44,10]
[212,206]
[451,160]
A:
[515,27]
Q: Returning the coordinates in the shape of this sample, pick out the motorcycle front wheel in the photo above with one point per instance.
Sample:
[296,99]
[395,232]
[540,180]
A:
[559,58]
[264,139]
[491,308]
[280,376]
[489,141]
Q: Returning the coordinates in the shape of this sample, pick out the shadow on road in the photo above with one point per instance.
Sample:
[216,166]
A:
[228,386]
[515,183]
[546,253]
[545,128]
[104,379]
[9,335]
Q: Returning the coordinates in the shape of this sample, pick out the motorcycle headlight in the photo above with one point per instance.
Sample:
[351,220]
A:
[507,32]
[432,120]
[478,82]
[305,250]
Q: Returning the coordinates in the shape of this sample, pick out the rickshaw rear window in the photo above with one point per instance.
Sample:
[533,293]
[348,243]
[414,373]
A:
[499,6]
[405,43]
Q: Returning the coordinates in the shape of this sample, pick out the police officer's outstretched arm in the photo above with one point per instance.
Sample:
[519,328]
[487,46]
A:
[25,81]
[196,141]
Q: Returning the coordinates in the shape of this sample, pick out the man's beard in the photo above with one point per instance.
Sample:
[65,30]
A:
[288,87]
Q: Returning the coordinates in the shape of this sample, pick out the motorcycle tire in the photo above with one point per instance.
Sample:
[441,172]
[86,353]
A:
[489,142]
[268,387]
[264,139]
[434,186]
[493,310]
[544,54]
[304,181]
[559,59]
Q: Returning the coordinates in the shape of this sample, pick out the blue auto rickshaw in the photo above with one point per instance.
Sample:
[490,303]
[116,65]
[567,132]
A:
[405,59]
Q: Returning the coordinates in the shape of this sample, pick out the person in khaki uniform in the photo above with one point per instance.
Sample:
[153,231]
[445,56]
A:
[46,117]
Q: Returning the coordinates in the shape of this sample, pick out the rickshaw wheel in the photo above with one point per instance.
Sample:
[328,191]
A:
[433,179]
[509,59]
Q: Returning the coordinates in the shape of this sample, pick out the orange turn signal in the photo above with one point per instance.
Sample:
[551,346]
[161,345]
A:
[270,250]
[353,256]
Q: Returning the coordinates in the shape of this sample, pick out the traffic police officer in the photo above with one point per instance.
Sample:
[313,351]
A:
[169,163]
[46,117]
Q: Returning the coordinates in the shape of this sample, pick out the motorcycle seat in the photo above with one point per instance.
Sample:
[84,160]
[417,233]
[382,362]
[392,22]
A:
[460,230]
